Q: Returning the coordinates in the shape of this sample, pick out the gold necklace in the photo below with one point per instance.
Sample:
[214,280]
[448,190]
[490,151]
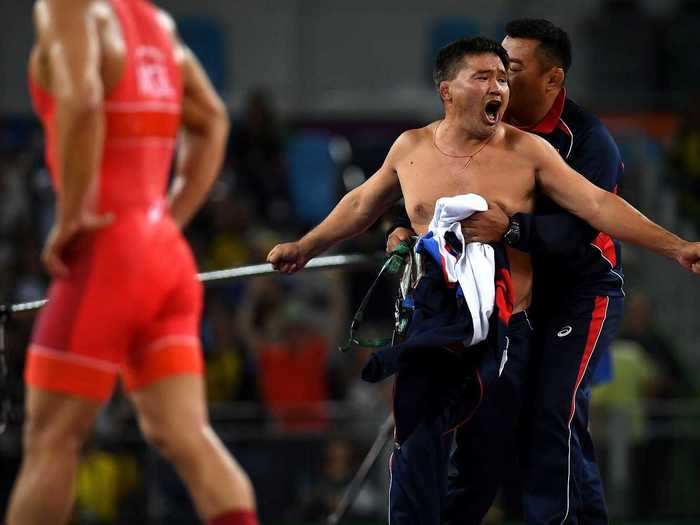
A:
[469,157]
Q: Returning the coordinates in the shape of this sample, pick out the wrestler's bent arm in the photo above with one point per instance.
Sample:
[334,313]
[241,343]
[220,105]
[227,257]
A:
[74,61]
[68,38]
[205,125]
[606,211]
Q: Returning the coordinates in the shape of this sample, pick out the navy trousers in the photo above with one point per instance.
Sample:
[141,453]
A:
[561,479]
[535,420]
[439,385]
[437,392]
[488,446]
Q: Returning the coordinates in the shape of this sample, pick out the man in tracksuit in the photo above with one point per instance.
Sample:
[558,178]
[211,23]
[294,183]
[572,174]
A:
[576,311]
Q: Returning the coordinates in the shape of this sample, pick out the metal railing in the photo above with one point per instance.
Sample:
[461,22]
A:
[9,311]
[231,274]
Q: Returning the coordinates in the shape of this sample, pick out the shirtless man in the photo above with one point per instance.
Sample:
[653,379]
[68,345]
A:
[472,151]
[113,86]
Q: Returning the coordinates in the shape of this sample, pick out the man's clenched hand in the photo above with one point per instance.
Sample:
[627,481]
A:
[689,257]
[486,226]
[287,257]
[397,236]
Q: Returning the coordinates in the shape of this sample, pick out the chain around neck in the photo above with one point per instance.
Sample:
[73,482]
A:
[470,156]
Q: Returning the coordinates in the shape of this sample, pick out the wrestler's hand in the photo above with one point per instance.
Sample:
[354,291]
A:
[689,257]
[287,257]
[397,236]
[486,226]
[62,234]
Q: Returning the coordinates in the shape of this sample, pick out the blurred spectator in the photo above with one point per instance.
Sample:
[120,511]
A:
[684,160]
[259,160]
[672,378]
[647,368]
[105,481]
[230,372]
[293,363]
[291,343]
[636,377]
[229,245]
[320,497]
[326,296]
[619,408]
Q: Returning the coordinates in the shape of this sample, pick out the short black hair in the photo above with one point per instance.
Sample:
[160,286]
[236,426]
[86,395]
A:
[555,44]
[449,57]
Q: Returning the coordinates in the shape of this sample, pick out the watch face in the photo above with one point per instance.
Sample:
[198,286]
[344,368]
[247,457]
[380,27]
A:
[512,235]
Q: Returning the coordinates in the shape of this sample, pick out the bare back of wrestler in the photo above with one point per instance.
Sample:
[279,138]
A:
[473,151]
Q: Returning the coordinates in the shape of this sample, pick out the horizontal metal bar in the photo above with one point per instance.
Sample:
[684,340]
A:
[27,307]
[319,263]
[257,270]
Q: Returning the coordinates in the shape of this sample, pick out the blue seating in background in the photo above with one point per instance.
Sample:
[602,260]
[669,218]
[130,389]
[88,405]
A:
[206,38]
[314,175]
[643,180]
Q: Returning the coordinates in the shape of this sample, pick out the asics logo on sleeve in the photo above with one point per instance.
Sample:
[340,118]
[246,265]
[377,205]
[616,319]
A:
[564,331]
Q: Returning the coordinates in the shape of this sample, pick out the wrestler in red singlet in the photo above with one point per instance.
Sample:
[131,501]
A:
[114,85]
[131,304]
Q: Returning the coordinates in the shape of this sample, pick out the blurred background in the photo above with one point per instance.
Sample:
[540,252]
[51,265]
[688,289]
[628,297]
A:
[318,91]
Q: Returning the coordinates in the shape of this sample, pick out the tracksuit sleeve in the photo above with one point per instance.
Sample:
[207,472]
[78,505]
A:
[597,158]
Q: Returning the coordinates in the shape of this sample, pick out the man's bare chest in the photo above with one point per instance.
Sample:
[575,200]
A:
[500,177]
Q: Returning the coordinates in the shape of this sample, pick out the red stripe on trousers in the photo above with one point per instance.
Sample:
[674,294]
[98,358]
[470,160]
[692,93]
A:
[600,310]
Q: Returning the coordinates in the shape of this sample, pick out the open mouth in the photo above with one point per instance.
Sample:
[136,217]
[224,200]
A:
[491,111]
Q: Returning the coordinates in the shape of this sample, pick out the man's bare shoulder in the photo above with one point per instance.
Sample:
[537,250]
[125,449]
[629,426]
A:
[407,143]
[523,141]
[412,138]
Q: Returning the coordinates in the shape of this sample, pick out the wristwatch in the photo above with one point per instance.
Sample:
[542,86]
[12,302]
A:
[512,235]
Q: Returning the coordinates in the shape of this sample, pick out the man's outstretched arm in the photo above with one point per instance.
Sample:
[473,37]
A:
[355,212]
[558,233]
[606,211]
